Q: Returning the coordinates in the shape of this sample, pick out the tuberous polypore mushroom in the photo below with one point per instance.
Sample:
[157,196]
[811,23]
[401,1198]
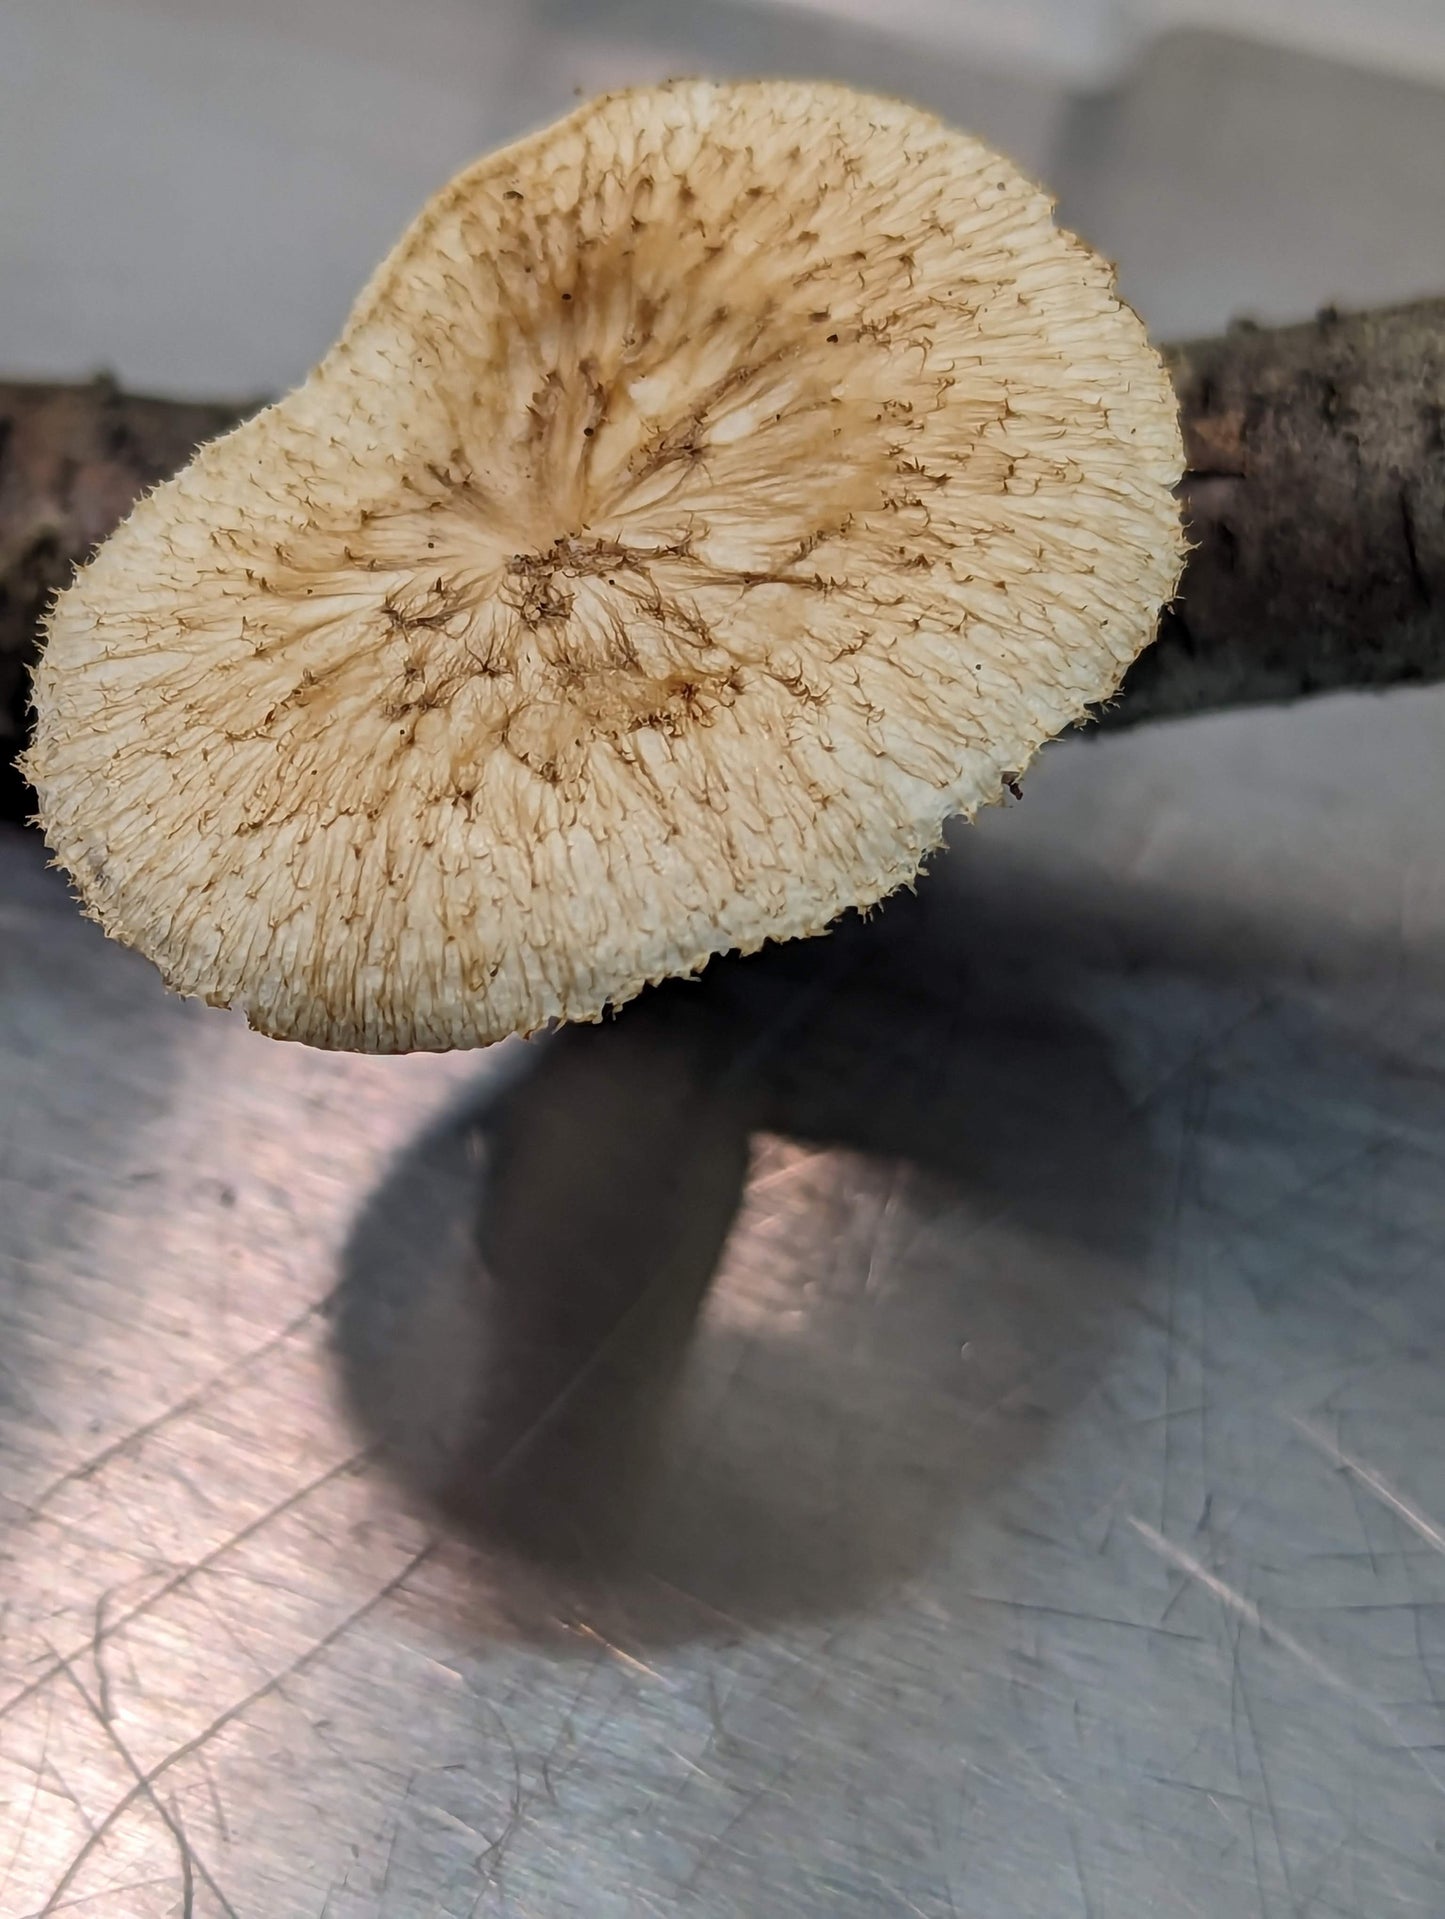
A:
[709,497]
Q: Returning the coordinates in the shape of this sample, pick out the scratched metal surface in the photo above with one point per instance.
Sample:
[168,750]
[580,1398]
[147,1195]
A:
[949,1420]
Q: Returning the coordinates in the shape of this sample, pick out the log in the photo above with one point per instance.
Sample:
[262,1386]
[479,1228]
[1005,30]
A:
[73,460]
[1314,496]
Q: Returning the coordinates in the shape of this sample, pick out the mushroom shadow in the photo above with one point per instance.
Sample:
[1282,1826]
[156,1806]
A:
[530,1332]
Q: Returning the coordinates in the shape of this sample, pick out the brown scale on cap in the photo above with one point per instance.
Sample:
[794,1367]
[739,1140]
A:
[710,496]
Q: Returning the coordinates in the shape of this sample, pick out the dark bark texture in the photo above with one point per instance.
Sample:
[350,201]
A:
[1315,498]
[72,461]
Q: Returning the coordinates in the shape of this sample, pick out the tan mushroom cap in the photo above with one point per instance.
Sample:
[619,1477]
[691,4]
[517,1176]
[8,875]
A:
[710,496]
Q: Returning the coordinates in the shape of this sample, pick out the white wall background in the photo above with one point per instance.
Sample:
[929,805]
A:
[191,191]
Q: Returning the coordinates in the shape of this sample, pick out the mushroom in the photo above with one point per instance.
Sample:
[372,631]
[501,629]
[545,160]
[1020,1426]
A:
[710,496]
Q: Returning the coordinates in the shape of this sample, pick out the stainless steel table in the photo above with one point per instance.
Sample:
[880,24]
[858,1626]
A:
[946,1420]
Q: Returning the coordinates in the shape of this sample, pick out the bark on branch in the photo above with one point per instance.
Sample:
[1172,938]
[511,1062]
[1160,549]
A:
[72,461]
[1315,497]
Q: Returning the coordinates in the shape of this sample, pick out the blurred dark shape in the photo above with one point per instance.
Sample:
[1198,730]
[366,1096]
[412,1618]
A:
[524,1328]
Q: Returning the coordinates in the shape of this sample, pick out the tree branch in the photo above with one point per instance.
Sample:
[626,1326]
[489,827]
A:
[1315,497]
[72,461]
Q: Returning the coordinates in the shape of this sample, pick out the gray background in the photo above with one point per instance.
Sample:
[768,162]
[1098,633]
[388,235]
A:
[192,192]
[1049,1515]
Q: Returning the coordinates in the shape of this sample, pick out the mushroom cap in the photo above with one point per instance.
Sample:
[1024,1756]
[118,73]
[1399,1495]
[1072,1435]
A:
[711,495]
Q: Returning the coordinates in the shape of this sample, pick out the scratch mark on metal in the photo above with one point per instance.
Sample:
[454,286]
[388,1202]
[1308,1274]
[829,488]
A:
[391,1854]
[1419,1523]
[637,1665]
[723,1838]
[492,1858]
[1027,1607]
[190,1863]
[1239,1698]
[188,1868]
[1088,1903]
[24,1832]
[445,1818]
[114,1892]
[208,1772]
[188,1572]
[896,1178]
[191,1402]
[49,1765]
[97,1653]
[146,1781]
[1361,1510]
[564,1731]
[1246,1610]
[785,1175]
[732,1620]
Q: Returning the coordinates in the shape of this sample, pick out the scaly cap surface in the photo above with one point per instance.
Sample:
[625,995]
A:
[711,495]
